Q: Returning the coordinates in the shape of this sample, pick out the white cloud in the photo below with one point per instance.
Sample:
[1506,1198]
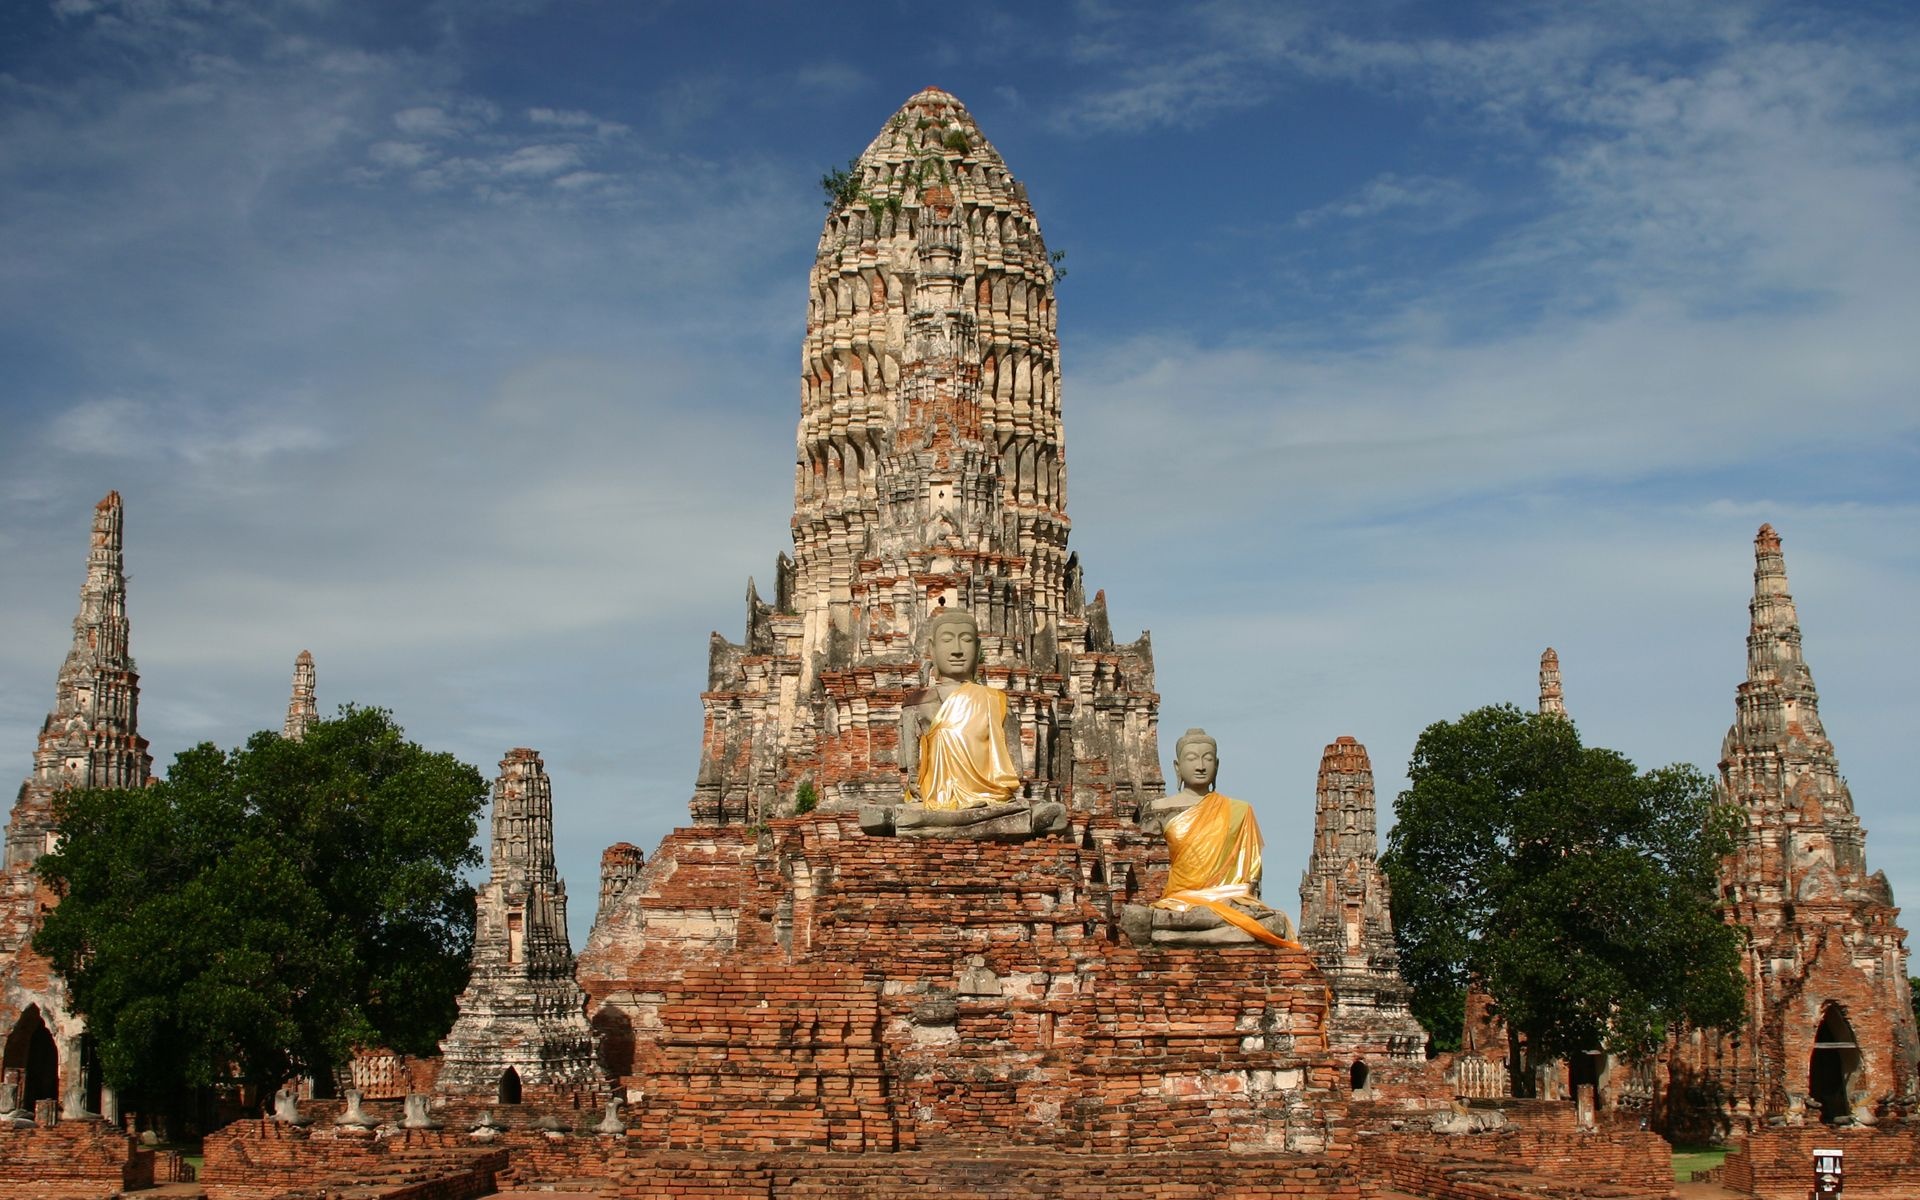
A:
[539,161]
[1441,201]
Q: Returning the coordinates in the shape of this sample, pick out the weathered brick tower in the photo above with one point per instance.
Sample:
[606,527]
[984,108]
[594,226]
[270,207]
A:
[522,1031]
[302,710]
[1552,701]
[90,739]
[931,473]
[1830,1034]
[778,981]
[1346,921]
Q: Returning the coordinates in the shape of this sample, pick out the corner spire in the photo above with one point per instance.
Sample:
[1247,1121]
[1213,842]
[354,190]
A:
[91,739]
[523,1017]
[301,709]
[1552,703]
[1346,919]
[1776,759]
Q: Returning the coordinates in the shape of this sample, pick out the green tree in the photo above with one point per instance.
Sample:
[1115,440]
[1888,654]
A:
[1580,892]
[257,913]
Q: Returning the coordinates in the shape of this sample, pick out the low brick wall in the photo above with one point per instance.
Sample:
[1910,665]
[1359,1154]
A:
[1029,1175]
[1522,1162]
[265,1160]
[1777,1164]
[77,1158]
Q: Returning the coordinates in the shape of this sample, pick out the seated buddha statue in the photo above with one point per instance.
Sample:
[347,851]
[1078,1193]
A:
[960,776]
[1212,897]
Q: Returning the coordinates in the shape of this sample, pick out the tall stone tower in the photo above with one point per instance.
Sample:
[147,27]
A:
[522,1030]
[772,979]
[1346,918]
[301,709]
[1830,1033]
[1552,702]
[931,473]
[91,739]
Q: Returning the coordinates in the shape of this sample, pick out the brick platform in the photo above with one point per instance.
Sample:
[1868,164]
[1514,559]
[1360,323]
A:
[1777,1164]
[72,1159]
[816,988]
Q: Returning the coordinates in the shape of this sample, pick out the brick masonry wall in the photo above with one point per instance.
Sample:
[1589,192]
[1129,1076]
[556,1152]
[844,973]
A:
[71,1153]
[1030,1175]
[1538,1163]
[1777,1164]
[264,1159]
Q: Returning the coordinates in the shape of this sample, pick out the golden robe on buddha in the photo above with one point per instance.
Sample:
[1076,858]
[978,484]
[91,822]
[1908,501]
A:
[1216,861]
[964,762]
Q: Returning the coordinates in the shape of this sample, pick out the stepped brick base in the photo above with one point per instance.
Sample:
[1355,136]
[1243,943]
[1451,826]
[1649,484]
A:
[816,988]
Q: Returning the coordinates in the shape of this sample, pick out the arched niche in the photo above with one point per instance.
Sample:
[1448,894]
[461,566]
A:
[1834,1067]
[30,1050]
[509,1086]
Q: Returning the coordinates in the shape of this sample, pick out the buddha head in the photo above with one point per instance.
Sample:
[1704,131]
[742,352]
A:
[1196,760]
[953,644]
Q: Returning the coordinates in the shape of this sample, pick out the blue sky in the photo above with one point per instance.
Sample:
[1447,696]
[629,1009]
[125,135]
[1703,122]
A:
[458,343]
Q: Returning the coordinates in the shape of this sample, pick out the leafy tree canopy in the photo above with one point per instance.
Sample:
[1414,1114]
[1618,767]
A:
[262,911]
[1580,892]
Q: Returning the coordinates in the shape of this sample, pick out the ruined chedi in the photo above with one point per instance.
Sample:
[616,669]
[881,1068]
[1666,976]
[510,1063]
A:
[302,711]
[1552,702]
[91,739]
[1830,1033]
[931,473]
[522,1030]
[1346,921]
[770,981]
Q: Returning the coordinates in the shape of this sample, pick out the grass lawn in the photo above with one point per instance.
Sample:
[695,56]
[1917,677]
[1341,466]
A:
[1688,1159]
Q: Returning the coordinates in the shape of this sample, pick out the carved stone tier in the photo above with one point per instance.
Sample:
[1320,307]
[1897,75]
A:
[813,987]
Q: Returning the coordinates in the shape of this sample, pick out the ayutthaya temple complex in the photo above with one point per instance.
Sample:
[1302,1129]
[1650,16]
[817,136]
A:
[1830,1029]
[938,924]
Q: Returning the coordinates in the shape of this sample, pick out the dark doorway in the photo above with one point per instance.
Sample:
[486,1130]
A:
[30,1051]
[1357,1077]
[91,1075]
[1836,1059]
[509,1086]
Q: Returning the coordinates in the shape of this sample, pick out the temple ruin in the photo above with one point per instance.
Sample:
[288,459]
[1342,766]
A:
[522,1033]
[302,711]
[774,978]
[1346,922]
[91,739]
[1830,1035]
